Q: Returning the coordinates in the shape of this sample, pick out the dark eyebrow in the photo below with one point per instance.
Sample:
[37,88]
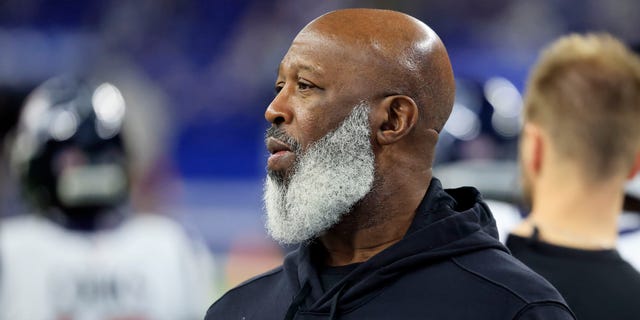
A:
[303,67]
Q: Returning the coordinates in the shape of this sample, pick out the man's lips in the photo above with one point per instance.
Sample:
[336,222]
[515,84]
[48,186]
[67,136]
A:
[274,146]
[281,155]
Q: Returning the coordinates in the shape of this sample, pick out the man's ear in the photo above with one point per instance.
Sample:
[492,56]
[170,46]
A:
[533,145]
[396,116]
[635,168]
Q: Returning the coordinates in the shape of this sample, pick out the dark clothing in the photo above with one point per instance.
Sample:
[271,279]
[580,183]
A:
[330,276]
[597,284]
[449,265]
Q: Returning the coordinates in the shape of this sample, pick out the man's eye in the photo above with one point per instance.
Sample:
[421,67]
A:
[278,88]
[304,86]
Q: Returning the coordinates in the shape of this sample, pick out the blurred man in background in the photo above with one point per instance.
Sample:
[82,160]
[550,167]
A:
[83,254]
[579,146]
[361,97]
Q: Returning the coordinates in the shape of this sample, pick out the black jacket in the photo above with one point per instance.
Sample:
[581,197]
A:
[449,265]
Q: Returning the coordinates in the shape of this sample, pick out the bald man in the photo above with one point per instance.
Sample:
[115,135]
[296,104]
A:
[361,97]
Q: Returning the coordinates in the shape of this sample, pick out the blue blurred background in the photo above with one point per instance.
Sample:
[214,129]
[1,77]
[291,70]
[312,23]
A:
[205,70]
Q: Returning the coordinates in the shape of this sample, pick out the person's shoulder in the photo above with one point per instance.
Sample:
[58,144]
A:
[31,230]
[270,277]
[510,277]
[260,292]
[21,222]
[546,311]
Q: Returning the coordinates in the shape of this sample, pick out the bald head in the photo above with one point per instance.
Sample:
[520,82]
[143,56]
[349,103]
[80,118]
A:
[395,54]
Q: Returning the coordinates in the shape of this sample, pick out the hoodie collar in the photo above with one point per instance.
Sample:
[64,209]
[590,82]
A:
[447,223]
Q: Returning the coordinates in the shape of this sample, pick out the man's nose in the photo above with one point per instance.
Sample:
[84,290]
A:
[279,110]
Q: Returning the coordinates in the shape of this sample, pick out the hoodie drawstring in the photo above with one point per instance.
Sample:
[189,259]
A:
[333,314]
[297,301]
[302,295]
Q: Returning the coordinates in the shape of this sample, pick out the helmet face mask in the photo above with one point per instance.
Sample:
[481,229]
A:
[69,153]
[82,181]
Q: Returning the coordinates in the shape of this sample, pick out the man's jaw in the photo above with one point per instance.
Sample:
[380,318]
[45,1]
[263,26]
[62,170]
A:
[324,182]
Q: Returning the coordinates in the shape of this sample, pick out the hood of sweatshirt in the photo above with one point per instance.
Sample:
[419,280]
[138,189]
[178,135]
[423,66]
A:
[447,223]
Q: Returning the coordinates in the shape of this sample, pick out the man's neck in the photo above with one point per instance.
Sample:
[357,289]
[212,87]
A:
[576,215]
[380,220]
[346,246]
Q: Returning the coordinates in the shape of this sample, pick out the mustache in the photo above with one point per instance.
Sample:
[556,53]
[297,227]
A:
[278,133]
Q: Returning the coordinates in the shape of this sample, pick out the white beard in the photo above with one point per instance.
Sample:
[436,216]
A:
[333,174]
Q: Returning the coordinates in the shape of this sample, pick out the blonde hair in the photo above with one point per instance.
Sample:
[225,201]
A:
[585,92]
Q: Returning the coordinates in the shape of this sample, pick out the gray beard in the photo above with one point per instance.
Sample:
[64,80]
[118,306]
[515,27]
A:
[327,180]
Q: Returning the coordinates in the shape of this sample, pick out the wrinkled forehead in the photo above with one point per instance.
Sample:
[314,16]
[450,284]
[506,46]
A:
[351,66]
[322,53]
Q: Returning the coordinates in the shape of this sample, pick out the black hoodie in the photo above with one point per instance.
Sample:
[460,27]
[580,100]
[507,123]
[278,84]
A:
[449,265]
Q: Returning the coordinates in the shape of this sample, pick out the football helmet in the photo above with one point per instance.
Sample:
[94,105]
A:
[68,150]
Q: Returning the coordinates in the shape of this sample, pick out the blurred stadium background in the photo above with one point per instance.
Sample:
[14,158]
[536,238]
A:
[202,73]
